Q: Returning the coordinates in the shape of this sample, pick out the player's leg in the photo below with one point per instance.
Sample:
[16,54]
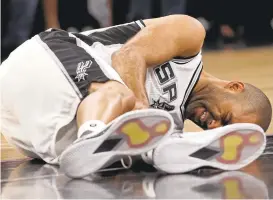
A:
[111,100]
[229,148]
[106,134]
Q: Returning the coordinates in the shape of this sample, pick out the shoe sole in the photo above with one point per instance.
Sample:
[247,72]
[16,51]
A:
[233,148]
[131,134]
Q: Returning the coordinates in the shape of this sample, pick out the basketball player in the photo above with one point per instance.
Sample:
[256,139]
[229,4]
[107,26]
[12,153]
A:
[71,99]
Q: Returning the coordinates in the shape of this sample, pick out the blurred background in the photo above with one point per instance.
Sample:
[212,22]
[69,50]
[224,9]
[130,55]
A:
[229,23]
[238,45]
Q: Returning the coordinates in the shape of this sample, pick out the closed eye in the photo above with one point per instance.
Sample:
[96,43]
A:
[226,120]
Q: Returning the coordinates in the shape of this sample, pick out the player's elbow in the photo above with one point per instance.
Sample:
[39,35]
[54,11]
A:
[192,26]
[198,33]
[193,33]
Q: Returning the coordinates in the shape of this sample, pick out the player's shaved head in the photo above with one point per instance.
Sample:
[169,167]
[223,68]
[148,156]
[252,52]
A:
[257,103]
[217,102]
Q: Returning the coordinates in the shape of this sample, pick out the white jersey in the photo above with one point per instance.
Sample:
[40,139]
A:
[168,85]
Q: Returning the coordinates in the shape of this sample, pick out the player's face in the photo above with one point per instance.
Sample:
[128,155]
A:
[217,108]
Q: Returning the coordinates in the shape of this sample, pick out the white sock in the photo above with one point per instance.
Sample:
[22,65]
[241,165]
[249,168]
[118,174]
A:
[91,128]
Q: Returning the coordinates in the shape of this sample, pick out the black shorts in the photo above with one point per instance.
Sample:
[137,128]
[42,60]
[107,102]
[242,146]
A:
[80,66]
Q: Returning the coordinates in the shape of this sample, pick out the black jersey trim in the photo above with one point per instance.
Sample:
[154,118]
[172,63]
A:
[79,67]
[113,35]
[194,80]
[199,74]
[185,58]
[180,62]
[142,22]
[107,70]
[190,84]
[60,65]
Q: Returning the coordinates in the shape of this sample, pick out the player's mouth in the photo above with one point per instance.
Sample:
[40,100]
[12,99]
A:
[202,118]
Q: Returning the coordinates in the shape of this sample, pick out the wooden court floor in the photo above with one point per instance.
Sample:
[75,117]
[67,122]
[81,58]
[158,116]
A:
[253,65]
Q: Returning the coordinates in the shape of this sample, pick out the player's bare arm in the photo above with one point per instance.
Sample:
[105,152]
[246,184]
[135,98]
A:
[180,35]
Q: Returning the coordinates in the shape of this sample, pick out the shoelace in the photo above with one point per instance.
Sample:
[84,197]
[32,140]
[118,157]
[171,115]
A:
[125,164]
[177,134]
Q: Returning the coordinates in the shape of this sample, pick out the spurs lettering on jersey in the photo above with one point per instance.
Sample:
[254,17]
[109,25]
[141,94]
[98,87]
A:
[164,75]
[170,84]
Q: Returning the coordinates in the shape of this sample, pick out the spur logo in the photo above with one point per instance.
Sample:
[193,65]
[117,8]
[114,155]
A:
[81,70]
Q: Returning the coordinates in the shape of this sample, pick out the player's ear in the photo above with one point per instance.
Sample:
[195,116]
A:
[235,86]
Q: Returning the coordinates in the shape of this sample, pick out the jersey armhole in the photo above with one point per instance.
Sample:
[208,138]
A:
[187,58]
[184,60]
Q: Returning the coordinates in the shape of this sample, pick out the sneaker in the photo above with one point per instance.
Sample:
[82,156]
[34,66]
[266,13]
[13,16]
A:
[228,148]
[131,134]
